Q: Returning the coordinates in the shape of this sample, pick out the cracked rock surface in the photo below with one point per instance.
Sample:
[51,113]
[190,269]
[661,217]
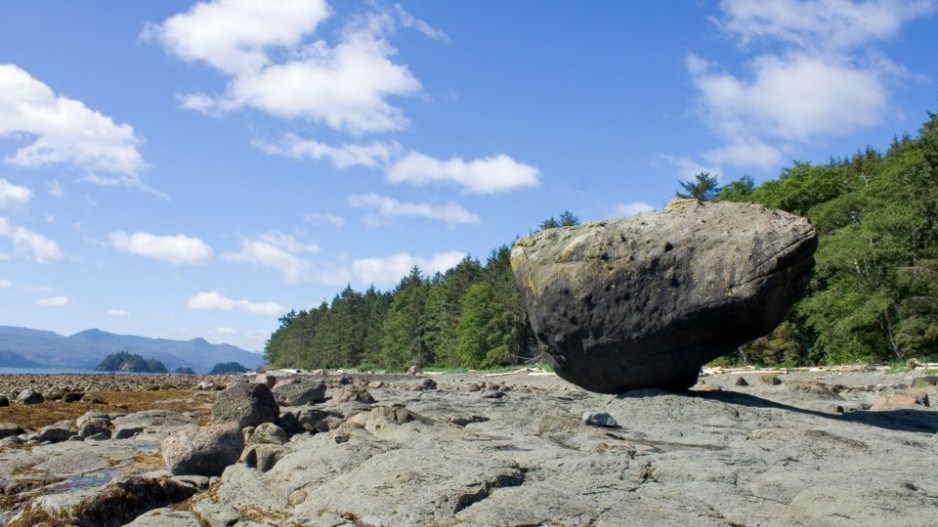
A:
[723,454]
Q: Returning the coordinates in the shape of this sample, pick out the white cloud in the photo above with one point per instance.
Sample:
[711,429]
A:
[373,155]
[745,153]
[35,246]
[821,77]
[64,131]
[390,269]
[346,85]
[177,250]
[216,301]
[631,209]
[828,25]
[53,301]
[278,251]
[386,208]
[55,188]
[13,195]
[791,98]
[117,313]
[686,168]
[408,20]
[319,218]
[480,176]
[6,283]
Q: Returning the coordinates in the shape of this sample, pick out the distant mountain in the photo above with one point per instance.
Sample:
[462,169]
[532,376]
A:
[86,349]
[9,359]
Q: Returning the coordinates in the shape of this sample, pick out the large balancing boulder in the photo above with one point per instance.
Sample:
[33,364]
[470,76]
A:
[645,301]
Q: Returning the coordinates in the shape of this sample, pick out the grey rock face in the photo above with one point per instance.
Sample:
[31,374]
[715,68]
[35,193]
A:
[204,451]
[247,404]
[300,392]
[645,301]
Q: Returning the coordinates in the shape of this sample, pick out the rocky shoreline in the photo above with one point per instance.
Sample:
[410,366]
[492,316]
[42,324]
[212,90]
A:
[831,447]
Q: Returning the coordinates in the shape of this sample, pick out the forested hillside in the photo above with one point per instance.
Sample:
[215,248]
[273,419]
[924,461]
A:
[873,296]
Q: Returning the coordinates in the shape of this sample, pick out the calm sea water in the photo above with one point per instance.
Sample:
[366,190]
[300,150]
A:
[47,371]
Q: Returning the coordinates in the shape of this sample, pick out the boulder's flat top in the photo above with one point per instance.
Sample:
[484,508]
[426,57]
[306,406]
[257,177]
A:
[510,450]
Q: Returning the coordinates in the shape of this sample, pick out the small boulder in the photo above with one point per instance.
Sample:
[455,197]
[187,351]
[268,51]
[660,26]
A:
[263,457]
[741,381]
[903,399]
[72,397]
[600,419]
[30,396]
[204,451]
[353,393]
[4,401]
[268,433]
[93,423]
[9,430]
[300,392]
[55,433]
[247,404]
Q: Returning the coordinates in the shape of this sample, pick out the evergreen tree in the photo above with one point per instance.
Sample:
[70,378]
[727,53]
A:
[703,188]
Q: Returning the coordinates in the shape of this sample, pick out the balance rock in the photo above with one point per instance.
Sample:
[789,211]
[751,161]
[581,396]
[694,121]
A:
[645,301]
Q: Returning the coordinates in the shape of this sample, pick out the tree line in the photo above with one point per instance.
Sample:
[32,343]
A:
[468,317]
[873,295]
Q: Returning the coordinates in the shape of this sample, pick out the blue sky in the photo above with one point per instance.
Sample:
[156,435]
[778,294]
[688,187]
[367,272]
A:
[177,169]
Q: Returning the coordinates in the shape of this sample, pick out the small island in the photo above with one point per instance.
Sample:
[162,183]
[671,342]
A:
[227,367]
[130,362]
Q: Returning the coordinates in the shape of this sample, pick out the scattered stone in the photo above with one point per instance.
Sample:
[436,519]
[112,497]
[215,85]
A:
[741,381]
[55,433]
[374,385]
[30,396]
[93,423]
[300,392]
[247,404]
[475,387]
[768,379]
[645,301]
[601,419]
[268,433]
[10,430]
[72,397]
[425,385]
[835,409]
[815,387]
[356,393]
[707,387]
[204,451]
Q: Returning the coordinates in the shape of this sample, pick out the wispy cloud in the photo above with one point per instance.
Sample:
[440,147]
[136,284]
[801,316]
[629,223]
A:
[53,301]
[117,313]
[631,209]
[13,195]
[390,269]
[376,154]
[214,300]
[479,176]
[385,208]
[177,250]
[278,251]
[320,218]
[33,245]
